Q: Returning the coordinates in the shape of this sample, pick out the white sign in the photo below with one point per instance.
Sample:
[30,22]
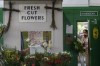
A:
[69,29]
[36,48]
[32,13]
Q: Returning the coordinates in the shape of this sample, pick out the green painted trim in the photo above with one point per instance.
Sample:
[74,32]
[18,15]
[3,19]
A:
[73,14]
[88,8]
[1,22]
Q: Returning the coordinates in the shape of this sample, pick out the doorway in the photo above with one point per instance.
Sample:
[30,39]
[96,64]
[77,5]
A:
[72,15]
[83,58]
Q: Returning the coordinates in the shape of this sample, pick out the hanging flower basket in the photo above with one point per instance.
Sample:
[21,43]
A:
[78,46]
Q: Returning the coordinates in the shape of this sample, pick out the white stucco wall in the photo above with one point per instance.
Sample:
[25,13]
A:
[94,2]
[13,39]
[1,3]
[74,3]
[80,3]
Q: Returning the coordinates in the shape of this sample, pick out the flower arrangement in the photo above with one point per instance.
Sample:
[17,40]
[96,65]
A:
[1,28]
[78,46]
[49,59]
[46,45]
[11,57]
[33,59]
[53,59]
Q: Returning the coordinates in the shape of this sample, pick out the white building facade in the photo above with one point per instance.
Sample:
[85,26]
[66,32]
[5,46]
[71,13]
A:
[22,22]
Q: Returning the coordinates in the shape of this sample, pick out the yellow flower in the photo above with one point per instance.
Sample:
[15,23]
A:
[24,65]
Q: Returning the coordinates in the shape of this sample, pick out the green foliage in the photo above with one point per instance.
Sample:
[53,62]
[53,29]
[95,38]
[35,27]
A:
[78,46]
[11,57]
[49,59]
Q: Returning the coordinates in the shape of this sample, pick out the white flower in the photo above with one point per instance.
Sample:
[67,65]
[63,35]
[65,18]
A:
[45,44]
[49,45]
[27,40]
[24,64]
[56,54]
[32,56]
[64,52]
[46,58]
